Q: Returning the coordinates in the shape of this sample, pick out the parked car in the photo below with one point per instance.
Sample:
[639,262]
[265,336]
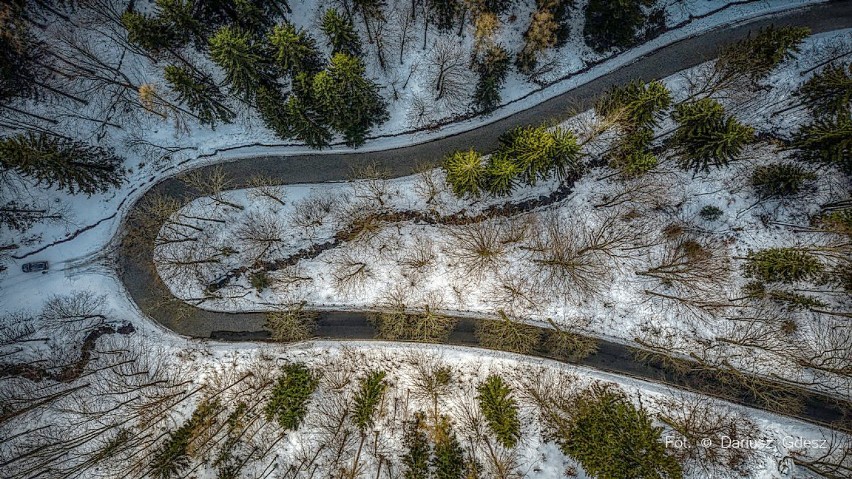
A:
[35,267]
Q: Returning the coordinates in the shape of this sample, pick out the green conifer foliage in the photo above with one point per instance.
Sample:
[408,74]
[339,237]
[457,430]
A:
[611,438]
[501,174]
[305,123]
[444,13]
[635,105]
[780,179]
[706,136]
[172,457]
[70,165]
[492,69]
[367,399]
[340,32]
[782,265]
[465,172]
[237,52]
[756,56]
[18,54]
[151,34]
[272,106]
[295,50]
[500,410]
[613,23]
[350,103]
[200,94]
[417,451]
[288,401]
[540,152]
[827,141]
[448,461]
[829,93]
[183,20]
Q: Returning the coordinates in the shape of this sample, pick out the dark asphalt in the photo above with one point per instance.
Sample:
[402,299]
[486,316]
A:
[153,298]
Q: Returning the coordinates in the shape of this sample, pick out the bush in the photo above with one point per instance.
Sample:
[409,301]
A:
[291,324]
[780,179]
[500,410]
[259,280]
[508,335]
[288,401]
[631,155]
[782,265]
[710,213]
[612,439]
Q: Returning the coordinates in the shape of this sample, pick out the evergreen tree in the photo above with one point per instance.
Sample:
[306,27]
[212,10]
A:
[417,450]
[501,174]
[541,152]
[305,123]
[756,56]
[780,179]
[500,410]
[200,94]
[782,265]
[829,92]
[341,34]
[367,399]
[350,103]
[445,12]
[66,164]
[150,34]
[635,105]
[611,438]
[237,52]
[613,23]
[272,106]
[465,172]
[288,401]
[492,68]
[631,154]
[827,140]
[295,50]
[706,136]
[448,461]
[184,22]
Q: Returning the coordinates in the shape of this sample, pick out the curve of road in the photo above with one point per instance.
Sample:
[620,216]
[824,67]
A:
[137,272]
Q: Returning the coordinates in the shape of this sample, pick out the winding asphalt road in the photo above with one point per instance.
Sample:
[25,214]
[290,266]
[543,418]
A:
[153,298]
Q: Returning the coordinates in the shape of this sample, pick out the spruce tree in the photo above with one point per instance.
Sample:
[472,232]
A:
[611,438]
[288,401]
[706,136]
[465,173]
[780,179]
[445,12]
[541,152]
[237,52]
[66,164]
[272,106]
[340,32]
[350,103]
[782,265]
[150,34]
[305,123]
[635,105]
[184,22]
[18,54]
[200,94]
[492,67]
[827,141]
[448,461]
[632,155]
[756,56]
[295,50]
[500,410]
[417,450]
[829,93]
[501,174]
[540,36]
[613,23]
[367,399]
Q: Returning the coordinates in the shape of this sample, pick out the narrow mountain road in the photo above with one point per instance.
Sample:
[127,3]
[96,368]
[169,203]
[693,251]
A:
[144,286]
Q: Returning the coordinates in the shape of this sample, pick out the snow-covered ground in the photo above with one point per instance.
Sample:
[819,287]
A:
[417,264]
[154,147]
